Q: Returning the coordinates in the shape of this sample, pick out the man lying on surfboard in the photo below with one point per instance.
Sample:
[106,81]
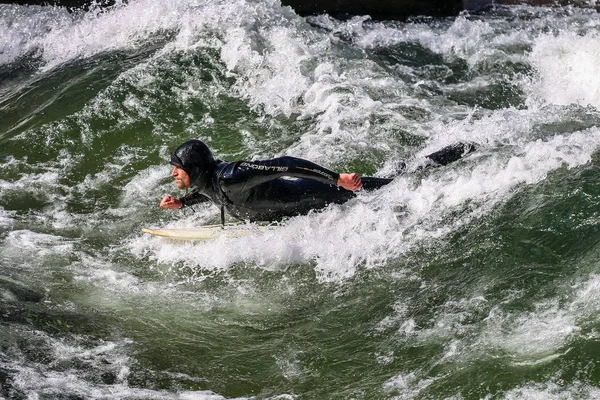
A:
[270,190]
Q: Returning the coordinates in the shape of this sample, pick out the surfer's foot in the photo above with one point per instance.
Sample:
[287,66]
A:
[451,153]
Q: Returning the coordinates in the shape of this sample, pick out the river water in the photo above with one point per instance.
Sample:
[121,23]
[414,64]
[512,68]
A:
[478,280]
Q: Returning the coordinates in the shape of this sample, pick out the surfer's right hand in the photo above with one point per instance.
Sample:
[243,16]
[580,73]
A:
[350,181]
[171,202]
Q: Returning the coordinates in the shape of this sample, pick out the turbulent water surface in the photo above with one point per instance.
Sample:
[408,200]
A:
[478,280]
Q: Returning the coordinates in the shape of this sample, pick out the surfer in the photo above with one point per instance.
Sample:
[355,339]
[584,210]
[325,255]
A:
[270,190]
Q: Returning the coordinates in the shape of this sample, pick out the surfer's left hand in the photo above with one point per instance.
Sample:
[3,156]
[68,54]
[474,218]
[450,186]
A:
[350,181]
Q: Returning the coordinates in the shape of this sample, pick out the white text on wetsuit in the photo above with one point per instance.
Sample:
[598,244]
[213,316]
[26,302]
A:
[322,173]
[263,167]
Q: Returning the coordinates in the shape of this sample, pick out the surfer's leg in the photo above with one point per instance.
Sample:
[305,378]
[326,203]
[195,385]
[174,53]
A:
[439,158]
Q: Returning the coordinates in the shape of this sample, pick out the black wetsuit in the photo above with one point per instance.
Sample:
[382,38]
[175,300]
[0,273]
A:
[272,189]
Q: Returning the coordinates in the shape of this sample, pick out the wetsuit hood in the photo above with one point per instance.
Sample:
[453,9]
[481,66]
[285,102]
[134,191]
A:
[196,159]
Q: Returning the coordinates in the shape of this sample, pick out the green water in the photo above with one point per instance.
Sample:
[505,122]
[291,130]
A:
[478,280]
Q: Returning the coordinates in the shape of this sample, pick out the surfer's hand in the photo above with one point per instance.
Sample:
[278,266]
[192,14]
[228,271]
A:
[170,202]
[350,181]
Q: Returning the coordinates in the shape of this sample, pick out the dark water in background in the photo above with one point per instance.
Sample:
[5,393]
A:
[474,281]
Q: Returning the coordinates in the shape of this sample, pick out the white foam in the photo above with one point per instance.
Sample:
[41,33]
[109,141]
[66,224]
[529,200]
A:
[283,68]
[531,336]
[568,68]
[523,338]
[100,275]
[44,183]
[5,219]
[50,383]
[29,247]
[92,33]
[58,374]
[462,38]
[289,365]
[145,183]
[553,391]
[407,386]
[44,179]
[24,28]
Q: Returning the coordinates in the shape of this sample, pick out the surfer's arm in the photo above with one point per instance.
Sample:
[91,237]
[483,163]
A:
[192,198]
[252,173]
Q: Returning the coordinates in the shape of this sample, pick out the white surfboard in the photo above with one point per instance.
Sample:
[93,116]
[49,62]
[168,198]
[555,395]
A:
[208,232]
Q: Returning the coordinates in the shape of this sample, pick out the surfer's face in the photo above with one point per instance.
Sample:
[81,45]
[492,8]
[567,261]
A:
[182,179]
